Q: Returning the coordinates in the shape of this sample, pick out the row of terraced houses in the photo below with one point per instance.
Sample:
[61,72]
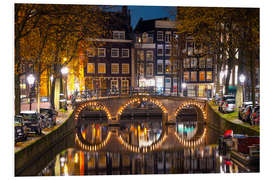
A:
[146,57]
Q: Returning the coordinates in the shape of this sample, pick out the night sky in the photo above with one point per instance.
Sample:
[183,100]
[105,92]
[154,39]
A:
[150,12]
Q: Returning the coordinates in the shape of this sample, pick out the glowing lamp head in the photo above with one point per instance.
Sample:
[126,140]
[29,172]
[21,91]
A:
[31,79]
[242,78]
[64,70]
[184,85]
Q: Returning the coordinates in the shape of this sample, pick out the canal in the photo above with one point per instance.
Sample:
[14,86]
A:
[136,146]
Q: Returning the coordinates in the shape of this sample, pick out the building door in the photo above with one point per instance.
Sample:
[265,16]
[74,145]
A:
[167,85]
[124,86]
[114,86]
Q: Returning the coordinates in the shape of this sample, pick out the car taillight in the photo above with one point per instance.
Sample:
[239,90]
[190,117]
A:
[227,105]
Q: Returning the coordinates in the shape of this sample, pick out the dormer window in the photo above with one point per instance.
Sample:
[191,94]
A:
[118,34]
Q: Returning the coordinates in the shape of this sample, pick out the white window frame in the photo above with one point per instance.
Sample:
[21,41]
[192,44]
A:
[103,64]
[167,62]
[89,54]
[125,49]
[116,50]
[152,70]
[160,46]
[170,48]
[119,35]
[99,52]
[117,87]
[160,33]
[114,64]
[158,62]
[87,68]
[127,87]
[167,36]
[125,64]
[152,53]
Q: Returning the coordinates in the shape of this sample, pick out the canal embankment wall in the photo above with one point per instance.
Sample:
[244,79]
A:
[214,120]
[32,158]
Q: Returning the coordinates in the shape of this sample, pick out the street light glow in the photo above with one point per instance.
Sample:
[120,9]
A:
[64,70]
[184,85]
[242,78]
[31,79]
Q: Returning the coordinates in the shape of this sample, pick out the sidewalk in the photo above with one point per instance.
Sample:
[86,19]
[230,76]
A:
[62,116]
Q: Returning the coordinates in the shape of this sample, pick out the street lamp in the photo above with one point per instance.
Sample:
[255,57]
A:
[64,72]
[31,81]
[242,79]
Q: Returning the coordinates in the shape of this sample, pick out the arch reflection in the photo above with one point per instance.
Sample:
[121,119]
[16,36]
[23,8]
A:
[141,124]
[92,129]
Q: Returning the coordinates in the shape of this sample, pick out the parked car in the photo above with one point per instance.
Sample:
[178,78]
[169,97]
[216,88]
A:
[255,115]
[223,99]
[32,121]
[228,106]
[242,108]
[246,114]
[20,129]
[49,116]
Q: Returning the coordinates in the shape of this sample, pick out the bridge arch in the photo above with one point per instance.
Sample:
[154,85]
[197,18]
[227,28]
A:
[139,100]
[91,104]
[197,106]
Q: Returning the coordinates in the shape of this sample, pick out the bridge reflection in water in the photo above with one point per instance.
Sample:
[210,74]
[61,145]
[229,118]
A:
[142,144]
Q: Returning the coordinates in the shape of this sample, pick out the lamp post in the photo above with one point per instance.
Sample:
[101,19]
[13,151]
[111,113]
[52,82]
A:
[242,79]
[31,81]
[64,72]
[184,85]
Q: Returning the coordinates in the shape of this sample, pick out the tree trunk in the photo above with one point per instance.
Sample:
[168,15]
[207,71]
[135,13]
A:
[227,80]
[253,77]
[17,90]
[17,94]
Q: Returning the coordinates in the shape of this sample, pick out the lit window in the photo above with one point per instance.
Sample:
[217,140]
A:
[114,84]
[160,36]
[149,55]
[160,50]
[125,52]
[115,68]
[115,52]
[193,62]
[101,68]
[186,63]
[167,67]
[209,76]
[90,68]
[124,86]
[193,76]
[140,55]
[125,68]
[202,76]
[101,52]
[186,76]
[160,66]
[149,69]
[141,69]
[202,63]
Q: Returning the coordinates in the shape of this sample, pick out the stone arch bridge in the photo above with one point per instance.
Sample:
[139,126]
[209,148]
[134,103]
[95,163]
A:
[170,106]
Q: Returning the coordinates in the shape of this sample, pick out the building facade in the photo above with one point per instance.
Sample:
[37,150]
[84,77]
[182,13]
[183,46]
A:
[197,70]
[109,64]
[154,55]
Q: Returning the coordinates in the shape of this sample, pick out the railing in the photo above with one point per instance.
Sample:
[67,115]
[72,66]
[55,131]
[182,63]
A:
[112,92]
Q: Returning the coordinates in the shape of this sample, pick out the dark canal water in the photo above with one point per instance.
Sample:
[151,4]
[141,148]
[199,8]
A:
[141,130]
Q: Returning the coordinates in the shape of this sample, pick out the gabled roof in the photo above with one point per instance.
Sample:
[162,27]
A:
[147,25]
